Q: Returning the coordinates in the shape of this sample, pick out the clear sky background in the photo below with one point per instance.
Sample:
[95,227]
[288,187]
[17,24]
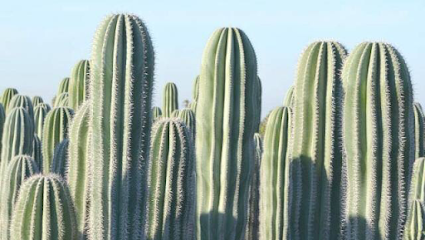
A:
[40,41]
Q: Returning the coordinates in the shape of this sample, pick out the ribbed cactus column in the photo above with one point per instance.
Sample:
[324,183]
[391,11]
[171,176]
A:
[195,94]
[258,97]
[188,117]
[37,153]
[7,96]
[225,127]
[2,120]
[19,169]
[121,90]
[55,131]
[40,113]
[60,158]
[36,100]
[78,84]
[170,99]
[63,86]
[316,152]
[417,183]
[156,113]
[44,210]
[378,140]
[274,177]
[415,225]
[78,172]
[419,130]
[22,101]
[62,100]
[172,199]
[289,98]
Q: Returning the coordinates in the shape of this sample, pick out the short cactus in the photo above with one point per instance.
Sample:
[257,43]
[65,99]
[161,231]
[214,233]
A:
[188,118]
[40,113]
[415,225]
[62,100]
[37,154]
[36,100]
[22,101]
[7,96]
[44,210]
[78,84]
[172,201]
[60,158]
[419,130]
[170,99]
[63,86]
[156,113]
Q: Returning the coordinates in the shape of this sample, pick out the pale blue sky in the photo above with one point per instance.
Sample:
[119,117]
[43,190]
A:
[40,42]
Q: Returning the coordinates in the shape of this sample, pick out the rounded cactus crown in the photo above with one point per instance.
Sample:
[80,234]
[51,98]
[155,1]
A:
[36,100]
[63,86]
[79,84]
[170,99]
[8,94]
[62,100]
[22,101]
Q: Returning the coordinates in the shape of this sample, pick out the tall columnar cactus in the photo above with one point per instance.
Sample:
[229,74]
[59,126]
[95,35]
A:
[419,130]
[289,98]
[274,176]
[44,210]
[316,153]
[78,171]
[19,169]
[36,100]
[37,154]
[122,70]
[63,86]
[2,120]
[156,113]
[252,230]
[225,127]
[62,100]
[22,101]
[7,96]
[78,84]
[17,139]
[259,96]
[55,131]
[60,158]
[415,225]
[195,94]
[170,99]
[40,113]
[378,140]
[417,184]
[188,117]
[172,200]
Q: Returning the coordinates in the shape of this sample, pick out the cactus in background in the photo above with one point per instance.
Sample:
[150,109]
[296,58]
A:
[37,154]
[54,100]
[40,113]
[62,100]
[19,169]
[252,229]
[195,94]
[274,176]
[55,131]
[378,110]
[419,130]
[36,100]
[78,166]
[121,72]
[316,156]
[2,120]
[175,114]
[225,127]
[170,100]
[44,210]
[7,96]
[188,117]
[60,158]
[289,98]
[415,227]
[171,210]
[17,139]
[259,96]
[156,113]
[63,86]
[22,101]
[78,84]
[417,184]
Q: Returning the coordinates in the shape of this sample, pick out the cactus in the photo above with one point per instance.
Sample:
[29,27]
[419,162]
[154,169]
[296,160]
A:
[44,210]
[417,184]
[36,100]
[22,101]
[172,202]
[289,98]
[37,154]
[55,131]
[78,84]
[195,94]
[225,127]
[19,169]
[54,100]
[40,113]
[7,96]
[63,86]
[60,158]
[62,100]
[121,89]
[2,120]
[156,113]
[175,114]
[419,130]
[378,137]
[316,154]
[18,137]
[259,96]
[78,169]
[274,176]
[170,99]
[252,230]
[415,227]
[188,118]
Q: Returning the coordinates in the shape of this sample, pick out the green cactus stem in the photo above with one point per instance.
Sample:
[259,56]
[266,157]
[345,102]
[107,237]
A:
[63,86]
[36,100]
[22,101]
[188,118]
[419,130]
[40,113]
[289,98]
[60,158]
[156,113]
[79,84]
[415,227]
[7,96]
[37,154]
[170,99]
[62,100]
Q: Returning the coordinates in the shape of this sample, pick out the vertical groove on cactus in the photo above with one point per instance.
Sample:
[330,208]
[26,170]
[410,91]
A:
[188,117]
[37,154]
[172,202]
[7,96]
[419,130]
[274,180]
[121,78]
[36,100]
[44,210]
[415,227]
[20,168]
[226,123]
[378,141]
[60,158]
[63,86]
[170,99]
[40,113]
[55,131]
[22,101]
[289,98]
[62,100]
[78,84]
[156,113]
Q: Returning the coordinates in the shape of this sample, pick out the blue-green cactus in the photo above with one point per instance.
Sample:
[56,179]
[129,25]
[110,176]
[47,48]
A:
[37,154]
[156,113]
[60,158]
[40,113]
[22,101]
[63,86]
[36,100]
[170,100]
[79,84]
[7,96]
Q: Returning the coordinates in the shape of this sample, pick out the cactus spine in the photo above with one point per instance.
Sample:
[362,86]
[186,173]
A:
[22,101]
[274,172]
[170,99]
[55,131]
[378,110]
[37,154]
[419,130]
[45,199]
[121,89]
[415,227]
[188,118]
[78,84]
[156,113]
[225,127]
[20,168]
[7,96]
[40,113]
[172,201]
[60,158]
[63,86]
[36,100]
